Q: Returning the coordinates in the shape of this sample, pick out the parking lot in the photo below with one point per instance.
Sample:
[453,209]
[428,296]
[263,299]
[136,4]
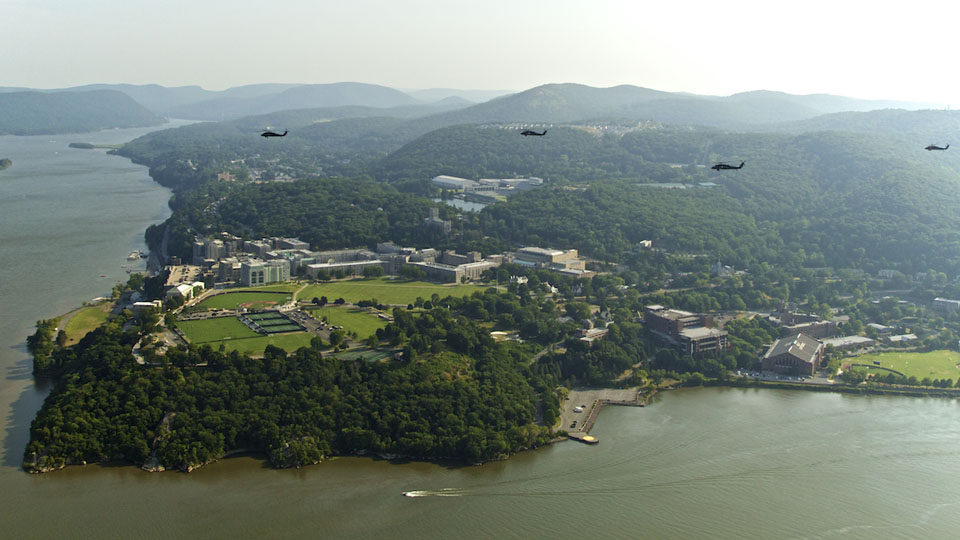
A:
[586,398]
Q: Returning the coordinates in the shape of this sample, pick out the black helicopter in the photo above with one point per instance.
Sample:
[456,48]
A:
[268,133]
[726,166]
[529,132]
[935,147]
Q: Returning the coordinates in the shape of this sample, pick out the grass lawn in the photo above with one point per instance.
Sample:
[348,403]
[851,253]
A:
[934,364]
[86,320]
[386,291]
[286,286]
[354,319]
[237,337]
[252,300]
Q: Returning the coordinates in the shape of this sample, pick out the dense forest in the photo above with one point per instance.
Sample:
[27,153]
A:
[465,401]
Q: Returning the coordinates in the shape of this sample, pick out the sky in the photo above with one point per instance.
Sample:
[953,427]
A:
[872,50]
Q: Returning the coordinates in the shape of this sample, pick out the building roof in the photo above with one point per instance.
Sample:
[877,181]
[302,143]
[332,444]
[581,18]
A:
[540,251]
[800,346]
[902,337]
[701,332]
[848,341]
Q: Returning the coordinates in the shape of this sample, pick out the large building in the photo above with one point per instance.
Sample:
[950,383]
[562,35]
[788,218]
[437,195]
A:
[946,305]
[691,333]
[253,273]
[799,354]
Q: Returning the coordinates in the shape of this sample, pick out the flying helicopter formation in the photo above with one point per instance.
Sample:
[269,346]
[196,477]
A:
[268,133]
[935,147]
[530,132]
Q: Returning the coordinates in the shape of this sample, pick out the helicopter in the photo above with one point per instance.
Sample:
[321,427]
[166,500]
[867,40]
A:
[935,147]
[268,133]
[721,166]
[529,132]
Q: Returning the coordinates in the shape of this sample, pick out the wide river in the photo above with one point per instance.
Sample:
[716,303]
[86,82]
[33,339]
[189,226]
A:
[704,463]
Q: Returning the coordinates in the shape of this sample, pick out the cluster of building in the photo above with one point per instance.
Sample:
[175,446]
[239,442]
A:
[487,189]
[689,333]
[230,259]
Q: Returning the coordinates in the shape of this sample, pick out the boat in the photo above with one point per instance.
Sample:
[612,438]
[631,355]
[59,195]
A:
[133,256]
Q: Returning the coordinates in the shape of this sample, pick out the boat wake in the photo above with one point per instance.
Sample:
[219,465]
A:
[445,492]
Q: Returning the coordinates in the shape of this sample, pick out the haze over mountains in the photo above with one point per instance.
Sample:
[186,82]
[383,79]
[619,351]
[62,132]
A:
[548,103]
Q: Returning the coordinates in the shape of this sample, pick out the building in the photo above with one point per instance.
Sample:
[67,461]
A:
[946,305]
[452,182]
[881,328]
[902,339]
[434,222]
[185,290]
[253,273]
[814,329]
[672,321]
[849,343]
[565,262]
[691,333]
[137,307]
[351,268]
[455,274]
[794,355]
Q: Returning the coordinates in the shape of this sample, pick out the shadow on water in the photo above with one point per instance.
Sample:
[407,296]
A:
[24,408]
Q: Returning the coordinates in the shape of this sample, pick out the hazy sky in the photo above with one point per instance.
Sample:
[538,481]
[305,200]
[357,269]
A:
[876,49]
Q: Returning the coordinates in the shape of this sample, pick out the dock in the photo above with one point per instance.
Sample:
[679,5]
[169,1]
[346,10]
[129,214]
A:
[583,437]
[590,401]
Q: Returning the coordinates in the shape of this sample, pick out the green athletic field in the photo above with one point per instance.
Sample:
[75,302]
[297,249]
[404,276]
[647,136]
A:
[386,291]
[353,319]
[933,364]
[235,336]
[250,300]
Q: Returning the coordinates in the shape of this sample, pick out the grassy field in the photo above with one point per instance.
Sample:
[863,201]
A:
[86,320]
[212,330]
[353,319]
[386,291]
[934,364]
[287,286]
[251,300]
[237,337]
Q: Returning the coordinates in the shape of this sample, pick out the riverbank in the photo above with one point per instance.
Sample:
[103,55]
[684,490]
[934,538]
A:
[909,391]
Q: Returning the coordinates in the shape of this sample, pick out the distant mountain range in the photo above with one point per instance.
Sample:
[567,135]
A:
[286,105]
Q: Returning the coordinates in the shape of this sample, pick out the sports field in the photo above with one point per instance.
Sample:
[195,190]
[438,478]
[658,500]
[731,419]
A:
[212,330]
[85,320]
[237,337]
[933,364]
[249,300]
[386,291]
[354,319]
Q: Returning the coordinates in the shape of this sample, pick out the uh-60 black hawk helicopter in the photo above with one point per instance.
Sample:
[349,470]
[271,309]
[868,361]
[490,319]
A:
[529,132]
[268,133]
[723,166]
[935,147]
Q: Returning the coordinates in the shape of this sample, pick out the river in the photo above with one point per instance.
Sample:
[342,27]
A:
[699,463]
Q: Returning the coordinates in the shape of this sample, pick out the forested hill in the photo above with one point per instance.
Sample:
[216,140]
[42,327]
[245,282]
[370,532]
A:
[841,199]
[38,113]
[297,97]
[560,103]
